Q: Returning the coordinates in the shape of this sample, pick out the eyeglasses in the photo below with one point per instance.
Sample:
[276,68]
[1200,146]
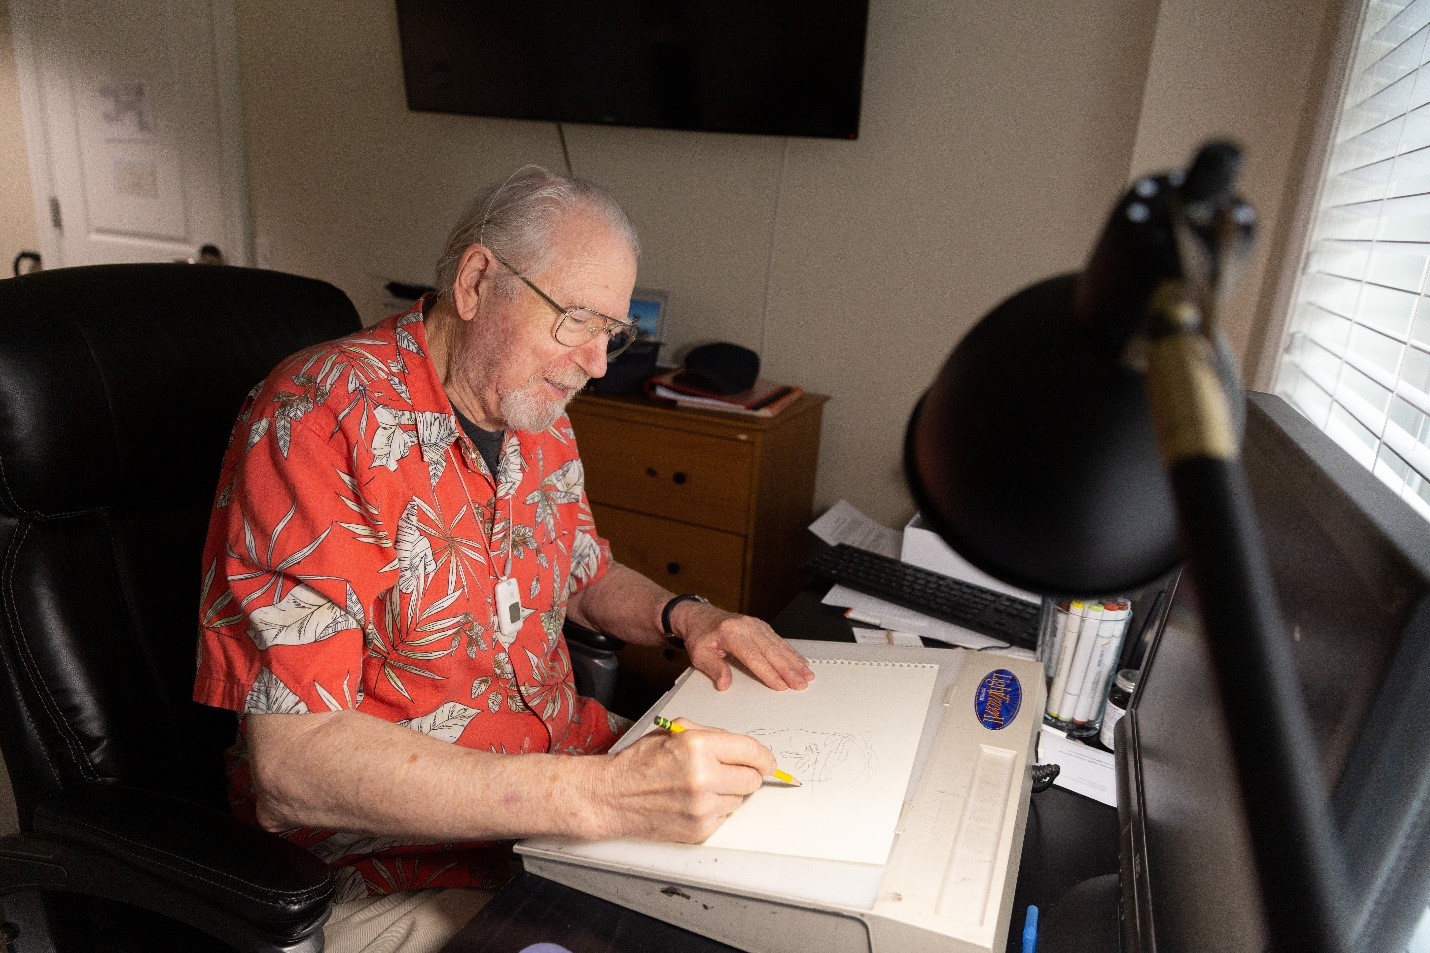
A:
[578,326]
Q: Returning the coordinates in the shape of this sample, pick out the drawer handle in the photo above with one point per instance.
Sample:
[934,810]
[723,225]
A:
[672,568]
[679,477]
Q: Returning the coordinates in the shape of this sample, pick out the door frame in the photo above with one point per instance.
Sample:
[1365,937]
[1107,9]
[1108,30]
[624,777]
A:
[237,229]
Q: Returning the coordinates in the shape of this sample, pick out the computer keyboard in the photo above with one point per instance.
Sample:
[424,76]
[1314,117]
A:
[992,613]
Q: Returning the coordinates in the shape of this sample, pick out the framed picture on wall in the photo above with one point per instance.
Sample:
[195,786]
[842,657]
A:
[648,310]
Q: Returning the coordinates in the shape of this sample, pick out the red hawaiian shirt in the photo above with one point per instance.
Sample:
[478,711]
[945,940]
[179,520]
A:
[353,553]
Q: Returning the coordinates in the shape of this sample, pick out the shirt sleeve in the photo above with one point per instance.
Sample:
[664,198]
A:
[293,568]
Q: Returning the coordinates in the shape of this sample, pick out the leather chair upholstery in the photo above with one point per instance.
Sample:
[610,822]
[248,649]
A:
[119,385]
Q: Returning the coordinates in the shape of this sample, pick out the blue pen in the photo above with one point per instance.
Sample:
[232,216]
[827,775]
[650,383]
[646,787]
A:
[1030,930]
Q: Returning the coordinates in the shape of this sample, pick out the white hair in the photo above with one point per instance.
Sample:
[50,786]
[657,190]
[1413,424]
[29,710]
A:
[515,218]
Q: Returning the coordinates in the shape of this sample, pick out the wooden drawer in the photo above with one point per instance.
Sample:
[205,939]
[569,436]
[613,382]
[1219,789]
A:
[678,556]
[666,472]
[657,474]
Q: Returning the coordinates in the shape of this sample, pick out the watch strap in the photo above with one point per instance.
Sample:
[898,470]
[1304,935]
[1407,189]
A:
[669,607]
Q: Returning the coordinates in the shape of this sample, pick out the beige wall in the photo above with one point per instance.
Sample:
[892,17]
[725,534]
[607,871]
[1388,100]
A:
[17,209]
[1251,72]
[994,139]
[994,136]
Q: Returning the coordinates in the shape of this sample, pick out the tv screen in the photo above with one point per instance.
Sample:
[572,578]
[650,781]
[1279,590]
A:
[787,68]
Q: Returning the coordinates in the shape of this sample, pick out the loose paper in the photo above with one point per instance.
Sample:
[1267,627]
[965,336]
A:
[1086,770]
[886,637]
[845,523]
[876,611]
[850,737]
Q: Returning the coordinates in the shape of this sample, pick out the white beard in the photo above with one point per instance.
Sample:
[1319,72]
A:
[522,410]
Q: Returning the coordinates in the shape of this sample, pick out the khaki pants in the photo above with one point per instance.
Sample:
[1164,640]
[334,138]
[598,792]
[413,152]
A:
[417,921]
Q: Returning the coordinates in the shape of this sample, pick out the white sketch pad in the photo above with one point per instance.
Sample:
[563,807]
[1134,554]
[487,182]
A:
[850,737]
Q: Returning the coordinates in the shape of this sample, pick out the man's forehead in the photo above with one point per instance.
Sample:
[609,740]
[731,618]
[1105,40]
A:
[589,256]
[583,238]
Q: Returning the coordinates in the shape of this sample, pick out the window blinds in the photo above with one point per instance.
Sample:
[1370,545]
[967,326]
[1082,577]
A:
[1357,354]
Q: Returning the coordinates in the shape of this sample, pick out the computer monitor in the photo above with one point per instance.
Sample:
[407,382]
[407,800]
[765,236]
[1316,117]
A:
[1352,566]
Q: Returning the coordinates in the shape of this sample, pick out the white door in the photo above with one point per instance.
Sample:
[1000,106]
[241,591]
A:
[132,126]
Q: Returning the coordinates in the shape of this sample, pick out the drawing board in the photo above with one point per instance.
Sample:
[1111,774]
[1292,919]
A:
[850,737]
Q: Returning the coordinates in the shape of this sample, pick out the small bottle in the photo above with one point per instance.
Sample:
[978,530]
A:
[1118,697]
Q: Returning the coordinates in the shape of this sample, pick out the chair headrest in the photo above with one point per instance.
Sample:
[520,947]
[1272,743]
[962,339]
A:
[82,422]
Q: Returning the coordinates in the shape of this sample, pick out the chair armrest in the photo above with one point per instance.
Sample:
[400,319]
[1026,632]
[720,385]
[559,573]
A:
[593,661]
[589,639]
[233,881]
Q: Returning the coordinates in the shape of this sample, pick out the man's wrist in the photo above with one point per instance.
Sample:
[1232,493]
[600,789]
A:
[670,606]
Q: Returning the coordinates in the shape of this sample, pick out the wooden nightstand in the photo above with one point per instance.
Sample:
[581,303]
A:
[704,502]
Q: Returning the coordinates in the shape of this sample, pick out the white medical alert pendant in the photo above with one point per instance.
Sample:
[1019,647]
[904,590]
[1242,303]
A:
[508,606]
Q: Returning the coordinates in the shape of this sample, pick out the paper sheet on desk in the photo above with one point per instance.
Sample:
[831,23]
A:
[1088,771]
[877,611]
[844,523]
[851,738]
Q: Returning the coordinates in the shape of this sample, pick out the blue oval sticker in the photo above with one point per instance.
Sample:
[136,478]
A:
[996,702]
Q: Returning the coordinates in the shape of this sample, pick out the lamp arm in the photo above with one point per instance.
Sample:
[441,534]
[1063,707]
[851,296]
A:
[1297,855]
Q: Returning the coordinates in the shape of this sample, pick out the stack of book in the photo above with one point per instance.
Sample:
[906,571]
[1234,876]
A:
[764,399]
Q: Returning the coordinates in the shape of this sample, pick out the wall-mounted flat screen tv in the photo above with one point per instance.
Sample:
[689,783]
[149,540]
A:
[771,67]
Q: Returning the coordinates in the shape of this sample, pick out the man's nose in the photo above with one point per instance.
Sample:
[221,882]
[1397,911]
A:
[591,356]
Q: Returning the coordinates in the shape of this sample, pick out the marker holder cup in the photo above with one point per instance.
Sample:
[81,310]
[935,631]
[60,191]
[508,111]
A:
[1079,644]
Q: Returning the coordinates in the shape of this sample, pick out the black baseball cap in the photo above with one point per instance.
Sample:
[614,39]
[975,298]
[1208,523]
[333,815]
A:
[720,368]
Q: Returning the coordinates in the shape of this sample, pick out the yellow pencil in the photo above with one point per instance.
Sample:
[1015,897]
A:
[777,774]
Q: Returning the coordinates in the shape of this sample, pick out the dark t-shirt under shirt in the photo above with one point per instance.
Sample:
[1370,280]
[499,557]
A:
[488,441]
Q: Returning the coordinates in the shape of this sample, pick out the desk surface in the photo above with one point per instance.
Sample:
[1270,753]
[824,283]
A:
[1069,839]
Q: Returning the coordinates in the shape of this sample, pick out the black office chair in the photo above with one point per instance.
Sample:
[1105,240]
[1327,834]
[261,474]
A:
[119,385]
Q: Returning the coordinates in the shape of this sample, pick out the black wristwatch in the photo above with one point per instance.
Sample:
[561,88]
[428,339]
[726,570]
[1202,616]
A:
[670,636]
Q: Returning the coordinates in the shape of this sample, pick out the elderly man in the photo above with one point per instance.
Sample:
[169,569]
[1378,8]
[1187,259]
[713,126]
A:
[400,530]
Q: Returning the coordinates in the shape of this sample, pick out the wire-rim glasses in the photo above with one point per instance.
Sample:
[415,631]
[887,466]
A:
[578,326]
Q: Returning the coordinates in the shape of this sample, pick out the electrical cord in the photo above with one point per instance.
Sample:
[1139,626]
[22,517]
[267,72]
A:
[1043,776]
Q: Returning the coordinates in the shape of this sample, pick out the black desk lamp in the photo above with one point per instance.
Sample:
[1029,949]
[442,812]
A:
[1085,435]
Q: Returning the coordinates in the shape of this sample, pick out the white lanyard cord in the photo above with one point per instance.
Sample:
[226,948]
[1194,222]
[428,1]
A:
[510,514]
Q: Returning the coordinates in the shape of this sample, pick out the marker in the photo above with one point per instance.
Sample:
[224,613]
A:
[1030,930]
[675,729]
[1067,648]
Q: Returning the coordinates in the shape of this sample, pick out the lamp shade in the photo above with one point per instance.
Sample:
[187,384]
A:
[1033,454]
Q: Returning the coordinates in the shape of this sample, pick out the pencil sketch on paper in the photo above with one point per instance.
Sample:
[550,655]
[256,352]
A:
[821,757]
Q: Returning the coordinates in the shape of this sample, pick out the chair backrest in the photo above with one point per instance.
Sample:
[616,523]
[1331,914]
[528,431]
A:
[119,386]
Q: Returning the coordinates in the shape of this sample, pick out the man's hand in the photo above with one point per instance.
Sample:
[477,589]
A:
[677,787]
[628,605]
[712,635]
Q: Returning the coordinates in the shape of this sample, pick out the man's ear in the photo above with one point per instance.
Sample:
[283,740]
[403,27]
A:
[472,270]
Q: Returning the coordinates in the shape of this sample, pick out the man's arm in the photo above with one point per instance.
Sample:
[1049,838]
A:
[387,780]
[628,606]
